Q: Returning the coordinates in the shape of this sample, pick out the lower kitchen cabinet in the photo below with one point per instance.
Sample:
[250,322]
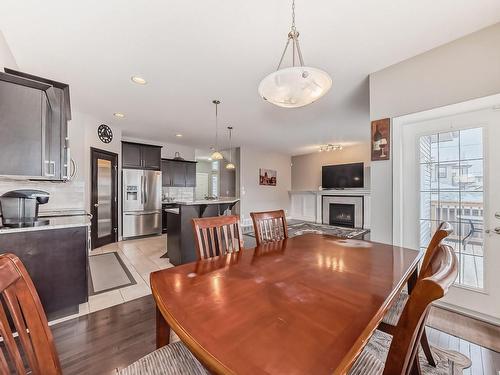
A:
[56,260]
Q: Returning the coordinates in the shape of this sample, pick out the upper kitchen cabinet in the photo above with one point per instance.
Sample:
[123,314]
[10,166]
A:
[190,174]
[34,114]
[178,173]
[140,156]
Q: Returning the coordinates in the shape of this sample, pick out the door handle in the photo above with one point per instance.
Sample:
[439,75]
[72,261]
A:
[145,189]
[141,213]
[496,230]
[96,205]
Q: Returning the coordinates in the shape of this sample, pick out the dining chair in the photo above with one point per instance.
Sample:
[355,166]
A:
[21,305]
[217,235]
[392,317]
[269,226]
[402,349]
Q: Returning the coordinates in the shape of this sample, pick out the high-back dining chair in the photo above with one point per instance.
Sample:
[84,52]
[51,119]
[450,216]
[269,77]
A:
[217,235]
[269,226]
[26,312]
[35,342]
[402,357]
[392,317]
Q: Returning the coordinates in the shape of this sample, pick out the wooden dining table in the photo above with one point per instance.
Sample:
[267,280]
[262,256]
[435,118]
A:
[303,305]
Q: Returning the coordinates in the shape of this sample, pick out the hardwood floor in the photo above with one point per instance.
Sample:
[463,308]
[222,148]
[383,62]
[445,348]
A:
[473,330]
[113,338]
[102,341]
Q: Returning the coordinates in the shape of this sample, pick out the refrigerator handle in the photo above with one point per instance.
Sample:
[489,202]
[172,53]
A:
[145,189]
[142,189]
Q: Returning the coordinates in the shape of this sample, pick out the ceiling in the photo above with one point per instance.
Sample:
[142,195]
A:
[191,52]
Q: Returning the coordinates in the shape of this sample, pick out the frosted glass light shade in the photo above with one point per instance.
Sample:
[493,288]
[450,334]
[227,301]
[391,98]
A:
[216,155]
[230,166]
[295,87]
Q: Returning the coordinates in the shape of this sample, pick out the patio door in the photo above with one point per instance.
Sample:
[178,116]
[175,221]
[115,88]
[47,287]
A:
[449,172]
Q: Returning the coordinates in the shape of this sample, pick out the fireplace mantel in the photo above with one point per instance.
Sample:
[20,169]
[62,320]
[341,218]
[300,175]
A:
[307,204]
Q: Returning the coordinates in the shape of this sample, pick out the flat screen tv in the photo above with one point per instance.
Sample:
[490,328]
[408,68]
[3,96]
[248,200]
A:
[342,176]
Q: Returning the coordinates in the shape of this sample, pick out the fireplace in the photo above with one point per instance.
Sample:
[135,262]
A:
[343,210]
[342,215]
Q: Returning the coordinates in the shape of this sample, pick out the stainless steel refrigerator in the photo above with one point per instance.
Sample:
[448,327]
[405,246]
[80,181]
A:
[141,202]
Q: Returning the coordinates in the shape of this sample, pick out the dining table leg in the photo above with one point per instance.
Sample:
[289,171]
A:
[162,330]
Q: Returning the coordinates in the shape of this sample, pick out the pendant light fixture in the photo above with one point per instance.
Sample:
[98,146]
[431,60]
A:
[230,165]
[216,155]
[296,86]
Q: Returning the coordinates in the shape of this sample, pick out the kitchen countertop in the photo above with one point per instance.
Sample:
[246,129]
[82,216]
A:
[208,201]
[55,222]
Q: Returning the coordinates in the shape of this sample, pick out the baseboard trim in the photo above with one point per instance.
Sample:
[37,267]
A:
[469,313]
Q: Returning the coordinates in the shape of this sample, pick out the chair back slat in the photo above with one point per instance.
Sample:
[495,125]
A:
[440,272]
[10,342]
[4,368]
[17,316]
[217,236]
[269,226]
[21,305]
[226,239]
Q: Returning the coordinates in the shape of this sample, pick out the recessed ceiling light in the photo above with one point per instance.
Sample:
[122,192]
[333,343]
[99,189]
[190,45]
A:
[496,107]
[138,80]
[178,135]
[119,115]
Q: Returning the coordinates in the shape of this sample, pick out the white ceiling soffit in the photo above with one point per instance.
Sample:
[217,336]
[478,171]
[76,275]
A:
[191,52]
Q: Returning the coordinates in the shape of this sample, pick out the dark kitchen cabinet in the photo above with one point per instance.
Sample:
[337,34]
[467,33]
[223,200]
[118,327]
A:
[151,156]
[140,156]
[131,155]
[34,114]
[178,173]
[56,260]
[190,174]
[166,177]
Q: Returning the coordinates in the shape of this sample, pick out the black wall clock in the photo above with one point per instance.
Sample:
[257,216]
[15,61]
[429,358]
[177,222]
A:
[105,133]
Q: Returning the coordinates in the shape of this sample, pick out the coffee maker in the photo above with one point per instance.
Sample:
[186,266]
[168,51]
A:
[20,208]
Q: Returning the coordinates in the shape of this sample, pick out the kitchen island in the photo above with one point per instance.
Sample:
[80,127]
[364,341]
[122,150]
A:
[180,237]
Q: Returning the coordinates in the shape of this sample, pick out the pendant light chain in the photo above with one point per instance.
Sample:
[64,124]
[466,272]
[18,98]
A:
[293,35]
[230,151]
[216,127]
[216,155]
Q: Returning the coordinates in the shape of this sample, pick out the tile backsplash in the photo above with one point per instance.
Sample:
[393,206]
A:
[63,195]
[180,193]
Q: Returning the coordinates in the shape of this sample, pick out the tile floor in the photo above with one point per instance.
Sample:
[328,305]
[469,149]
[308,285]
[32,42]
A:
[141,256]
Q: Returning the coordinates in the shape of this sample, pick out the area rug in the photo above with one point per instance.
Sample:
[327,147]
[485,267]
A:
[449,362]
[108,272]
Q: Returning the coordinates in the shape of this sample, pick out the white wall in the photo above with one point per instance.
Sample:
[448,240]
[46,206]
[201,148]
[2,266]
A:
[255,197]
[458,71]
[306,169]
[6,57]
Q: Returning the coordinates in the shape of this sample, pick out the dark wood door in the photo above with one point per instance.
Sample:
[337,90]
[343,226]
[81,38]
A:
[104,197]
[151,157]
[190,174]
[131,155]
[178,173]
